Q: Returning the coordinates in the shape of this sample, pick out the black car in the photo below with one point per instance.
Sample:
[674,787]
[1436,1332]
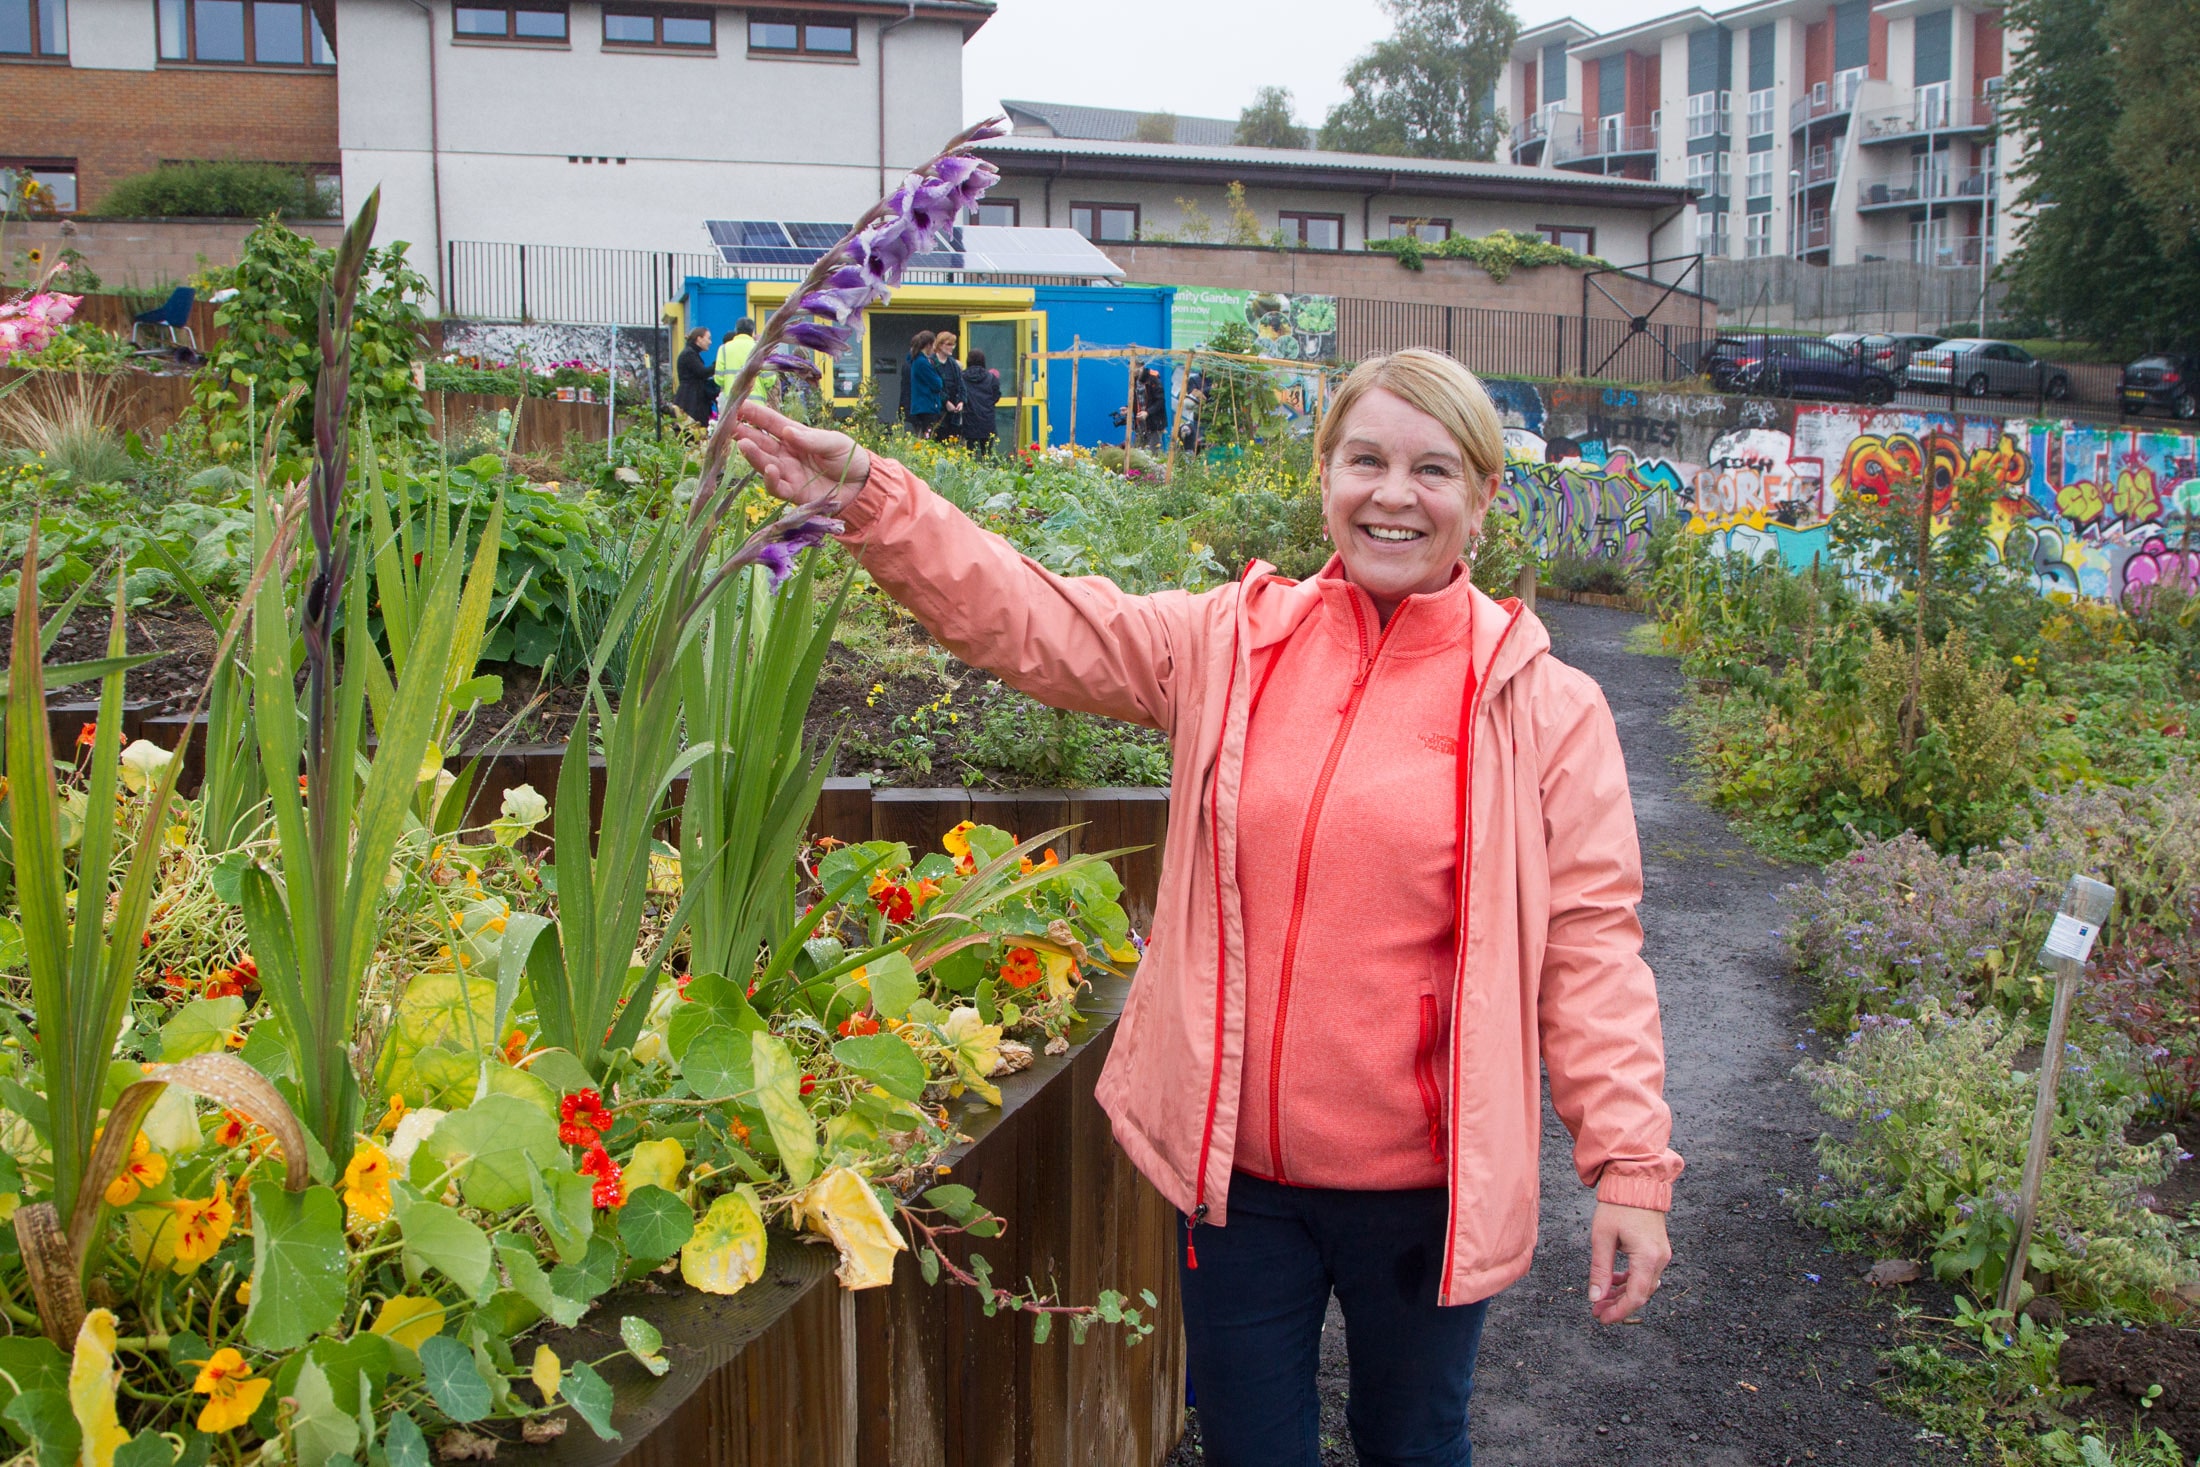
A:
[1799,366]
[1731,351]
[2166,380]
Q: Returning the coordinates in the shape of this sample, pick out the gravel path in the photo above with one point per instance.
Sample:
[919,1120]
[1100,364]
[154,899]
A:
[1744,1358]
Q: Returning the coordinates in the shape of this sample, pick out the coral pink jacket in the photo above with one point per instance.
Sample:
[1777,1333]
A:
[1548,962]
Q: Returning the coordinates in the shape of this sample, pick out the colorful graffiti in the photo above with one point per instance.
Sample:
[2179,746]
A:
[2084,510]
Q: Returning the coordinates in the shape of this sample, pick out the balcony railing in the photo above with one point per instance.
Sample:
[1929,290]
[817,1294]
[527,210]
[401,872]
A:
[1827,99]
[1819,170]
[1531,130]
[1926,115]
[1817,237]
[1908,192]
[1610,141]
[1954,254]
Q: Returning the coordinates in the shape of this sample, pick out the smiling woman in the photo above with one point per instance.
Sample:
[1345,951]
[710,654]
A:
[1404,879]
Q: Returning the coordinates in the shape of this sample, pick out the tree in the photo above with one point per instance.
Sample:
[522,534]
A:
[1268,123]
[1156,127]
[2093,259]
[2156,44]
[1430,90]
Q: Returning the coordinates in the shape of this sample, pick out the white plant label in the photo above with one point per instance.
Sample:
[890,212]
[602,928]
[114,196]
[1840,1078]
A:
[2069,938]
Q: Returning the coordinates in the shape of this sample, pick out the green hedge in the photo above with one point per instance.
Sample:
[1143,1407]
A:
[227,188]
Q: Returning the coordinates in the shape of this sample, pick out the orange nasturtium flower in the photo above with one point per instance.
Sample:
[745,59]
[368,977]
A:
[367,1184]
[145,1168]
[87,735]
[1026,866]
[1020,969]
[233,1391]
[957,844]
[515,1047]
[393,1115]
[201,1225]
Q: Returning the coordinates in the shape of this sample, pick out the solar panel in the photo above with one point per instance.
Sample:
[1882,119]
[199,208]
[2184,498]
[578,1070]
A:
[964,250]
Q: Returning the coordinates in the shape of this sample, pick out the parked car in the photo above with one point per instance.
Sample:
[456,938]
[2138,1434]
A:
[1888,351]
[2165,380]
[1726,353]
[1978,367]
[1800,366]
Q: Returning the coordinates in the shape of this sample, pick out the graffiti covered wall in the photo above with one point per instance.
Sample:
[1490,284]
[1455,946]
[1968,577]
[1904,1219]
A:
[2094,511]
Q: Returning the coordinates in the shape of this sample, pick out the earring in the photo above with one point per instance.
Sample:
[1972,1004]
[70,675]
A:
[1474,548]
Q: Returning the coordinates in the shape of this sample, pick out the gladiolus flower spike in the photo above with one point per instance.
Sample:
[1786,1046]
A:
[825,313]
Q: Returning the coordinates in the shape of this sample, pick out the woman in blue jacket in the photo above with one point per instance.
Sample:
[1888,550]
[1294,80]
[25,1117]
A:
[926,400]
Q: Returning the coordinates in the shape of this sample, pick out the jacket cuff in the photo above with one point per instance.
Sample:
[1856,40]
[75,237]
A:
[861,512]
[1625,1190]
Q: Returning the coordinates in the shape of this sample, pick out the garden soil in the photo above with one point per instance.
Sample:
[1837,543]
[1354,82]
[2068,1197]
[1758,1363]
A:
[1762,1346]
[2123,1365]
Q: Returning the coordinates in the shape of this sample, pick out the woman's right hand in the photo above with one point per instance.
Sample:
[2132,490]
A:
[800,464]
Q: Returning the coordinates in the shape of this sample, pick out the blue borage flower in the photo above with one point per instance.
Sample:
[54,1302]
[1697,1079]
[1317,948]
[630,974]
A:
[825,314]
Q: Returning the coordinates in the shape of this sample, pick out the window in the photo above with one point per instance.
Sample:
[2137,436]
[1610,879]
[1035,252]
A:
[1929,105]
[1759,184]
[1760,112]
[1707,114]
[540,24]
[242,33]
[38,186]
[673,30]
[803,37]
[1711,234]
[1312,231]
[998,213]
[1099,222]
[1579,238]
[1928,240]
[1427,231]
[1707,173]
[1757,236]
[34,28]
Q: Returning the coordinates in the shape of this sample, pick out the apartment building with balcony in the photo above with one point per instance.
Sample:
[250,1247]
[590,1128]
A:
[1835,133]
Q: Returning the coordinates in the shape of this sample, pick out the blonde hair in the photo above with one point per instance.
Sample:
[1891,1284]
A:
[1443,389]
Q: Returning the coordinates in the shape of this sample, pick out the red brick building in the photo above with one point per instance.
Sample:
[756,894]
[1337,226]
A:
[93,91]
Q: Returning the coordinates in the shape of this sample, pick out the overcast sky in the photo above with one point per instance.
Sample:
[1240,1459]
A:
[1201,58]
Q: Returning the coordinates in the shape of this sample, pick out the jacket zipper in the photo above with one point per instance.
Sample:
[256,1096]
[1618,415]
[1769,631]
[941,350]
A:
[1298,885]
[1470,708]
[1222,946]
[1424,1075]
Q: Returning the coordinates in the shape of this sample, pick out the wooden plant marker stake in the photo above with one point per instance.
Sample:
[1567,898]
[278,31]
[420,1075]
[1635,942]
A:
[2085,906]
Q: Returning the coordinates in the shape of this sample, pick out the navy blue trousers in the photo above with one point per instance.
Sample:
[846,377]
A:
[1253,1312]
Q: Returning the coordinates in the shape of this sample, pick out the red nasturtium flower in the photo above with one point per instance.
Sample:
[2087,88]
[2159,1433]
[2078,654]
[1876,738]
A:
[856,1024]
[1020,969]
[86,735]
[809,1083]
[610,1188]
[581,1116]
[892,899]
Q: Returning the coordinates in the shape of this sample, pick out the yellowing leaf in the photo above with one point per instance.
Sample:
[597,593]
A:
[409,1319]
[842,1206]
[656,1164]
[150,1233]
[545,1373]
[726,1254]
[93,1376]
[976,1048]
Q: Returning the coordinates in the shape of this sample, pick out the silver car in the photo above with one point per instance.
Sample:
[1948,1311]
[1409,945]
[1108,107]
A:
[1979,368]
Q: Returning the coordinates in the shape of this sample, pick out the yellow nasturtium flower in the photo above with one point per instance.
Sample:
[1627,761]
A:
[144,1168]
[367,1184]
[93,1376]
[232,1390]
[201,1226]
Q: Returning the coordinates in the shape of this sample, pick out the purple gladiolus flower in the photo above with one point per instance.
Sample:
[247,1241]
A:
[798,363]
[821,335]
[776,545]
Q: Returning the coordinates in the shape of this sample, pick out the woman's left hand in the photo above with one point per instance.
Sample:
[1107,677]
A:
[1639,1232]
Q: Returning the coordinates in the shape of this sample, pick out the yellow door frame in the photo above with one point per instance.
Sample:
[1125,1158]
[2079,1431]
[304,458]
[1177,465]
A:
[964,302]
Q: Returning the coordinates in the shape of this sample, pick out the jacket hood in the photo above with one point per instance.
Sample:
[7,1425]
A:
[1507,636]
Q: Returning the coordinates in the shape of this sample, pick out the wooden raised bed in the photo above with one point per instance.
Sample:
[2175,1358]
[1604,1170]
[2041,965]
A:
[795,1370]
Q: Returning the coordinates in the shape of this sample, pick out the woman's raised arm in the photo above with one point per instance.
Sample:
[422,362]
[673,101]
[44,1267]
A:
[1084,644]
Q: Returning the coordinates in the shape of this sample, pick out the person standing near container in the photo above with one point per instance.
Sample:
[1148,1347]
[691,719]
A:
[981,387]
[925,388]
[918,345]
[694,391]
[1153,408]
[1400,886]
[733,356]
[951,385]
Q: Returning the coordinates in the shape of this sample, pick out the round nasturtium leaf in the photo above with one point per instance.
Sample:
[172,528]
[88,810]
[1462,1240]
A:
[726,1254]
[655,1224]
